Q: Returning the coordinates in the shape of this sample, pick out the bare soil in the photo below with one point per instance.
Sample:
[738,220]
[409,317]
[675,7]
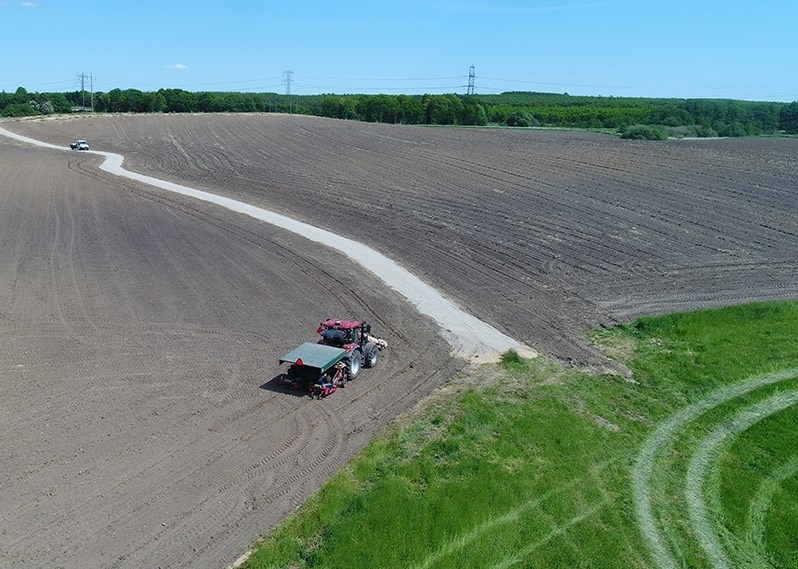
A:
[140,329]
[140,333]
[542,234]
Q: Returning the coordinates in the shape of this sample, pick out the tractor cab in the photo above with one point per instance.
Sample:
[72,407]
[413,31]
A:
[343,333]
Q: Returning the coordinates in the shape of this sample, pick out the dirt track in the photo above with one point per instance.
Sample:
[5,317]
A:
[137,326]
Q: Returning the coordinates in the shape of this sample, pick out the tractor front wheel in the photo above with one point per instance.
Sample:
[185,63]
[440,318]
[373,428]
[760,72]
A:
[354,363]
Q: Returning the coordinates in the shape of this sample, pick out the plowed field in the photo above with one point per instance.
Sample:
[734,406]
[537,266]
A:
[542,234]
[140,334]
[138,326]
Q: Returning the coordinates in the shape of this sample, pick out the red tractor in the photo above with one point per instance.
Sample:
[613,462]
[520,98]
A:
[345,347]
[355,337]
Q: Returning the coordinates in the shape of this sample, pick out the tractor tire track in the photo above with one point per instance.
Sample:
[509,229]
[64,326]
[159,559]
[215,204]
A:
[656,444]
[524,215]
[468,335]
[462,541]
[540,234]
[524,554]
[152,432]
[528,231]
[761,504]
[700,464]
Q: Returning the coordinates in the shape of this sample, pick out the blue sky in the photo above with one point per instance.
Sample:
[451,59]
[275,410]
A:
[654,48]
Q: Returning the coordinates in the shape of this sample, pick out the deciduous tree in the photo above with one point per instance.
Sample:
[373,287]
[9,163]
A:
[788,118]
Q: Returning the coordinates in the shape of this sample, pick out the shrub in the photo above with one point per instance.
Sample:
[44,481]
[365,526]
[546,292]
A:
[645,132]
[705,131]
[680,131]
[512,361]
[521,118]
[19,110]
[788,118]
[737,129]
[692,131]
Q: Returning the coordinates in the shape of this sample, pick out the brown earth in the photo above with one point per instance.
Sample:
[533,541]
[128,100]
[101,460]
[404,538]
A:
[542,234]
[140,335]
[123,301]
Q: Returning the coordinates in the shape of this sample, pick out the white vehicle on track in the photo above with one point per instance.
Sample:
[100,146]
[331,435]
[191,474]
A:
[79,145]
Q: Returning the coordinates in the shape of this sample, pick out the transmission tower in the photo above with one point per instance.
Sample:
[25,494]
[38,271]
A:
[287,74]
[471,76]
[82,77]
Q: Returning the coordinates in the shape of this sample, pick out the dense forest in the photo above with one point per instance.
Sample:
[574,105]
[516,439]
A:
[631,117]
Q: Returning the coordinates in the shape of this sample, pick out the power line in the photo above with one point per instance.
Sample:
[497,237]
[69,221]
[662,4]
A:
[256,89]
[386,78]
[381,89]
[244,81]
[311,84]
[36,86]
[597,86]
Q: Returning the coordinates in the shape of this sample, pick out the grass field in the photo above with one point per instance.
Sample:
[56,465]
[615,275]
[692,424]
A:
[526,464]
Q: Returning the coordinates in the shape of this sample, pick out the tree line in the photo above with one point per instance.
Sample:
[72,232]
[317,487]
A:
[674,117]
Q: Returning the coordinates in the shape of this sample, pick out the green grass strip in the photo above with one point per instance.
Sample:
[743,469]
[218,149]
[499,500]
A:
[534,464]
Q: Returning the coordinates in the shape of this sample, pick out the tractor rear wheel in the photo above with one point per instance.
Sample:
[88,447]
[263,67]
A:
[371,354]
[354,363]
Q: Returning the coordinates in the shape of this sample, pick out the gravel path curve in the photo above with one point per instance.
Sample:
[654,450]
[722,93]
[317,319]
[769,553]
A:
[468,336]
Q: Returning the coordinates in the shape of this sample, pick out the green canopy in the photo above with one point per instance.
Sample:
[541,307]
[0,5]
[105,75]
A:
[315,355]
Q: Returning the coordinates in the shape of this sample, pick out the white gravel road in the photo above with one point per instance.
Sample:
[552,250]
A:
[468,336]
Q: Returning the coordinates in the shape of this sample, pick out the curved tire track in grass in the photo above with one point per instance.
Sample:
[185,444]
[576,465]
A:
[464,540]
[701,463]
[467,335]
[656,443]
[760,504]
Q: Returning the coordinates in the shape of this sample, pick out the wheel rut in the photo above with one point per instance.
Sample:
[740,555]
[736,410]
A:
[468,335]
